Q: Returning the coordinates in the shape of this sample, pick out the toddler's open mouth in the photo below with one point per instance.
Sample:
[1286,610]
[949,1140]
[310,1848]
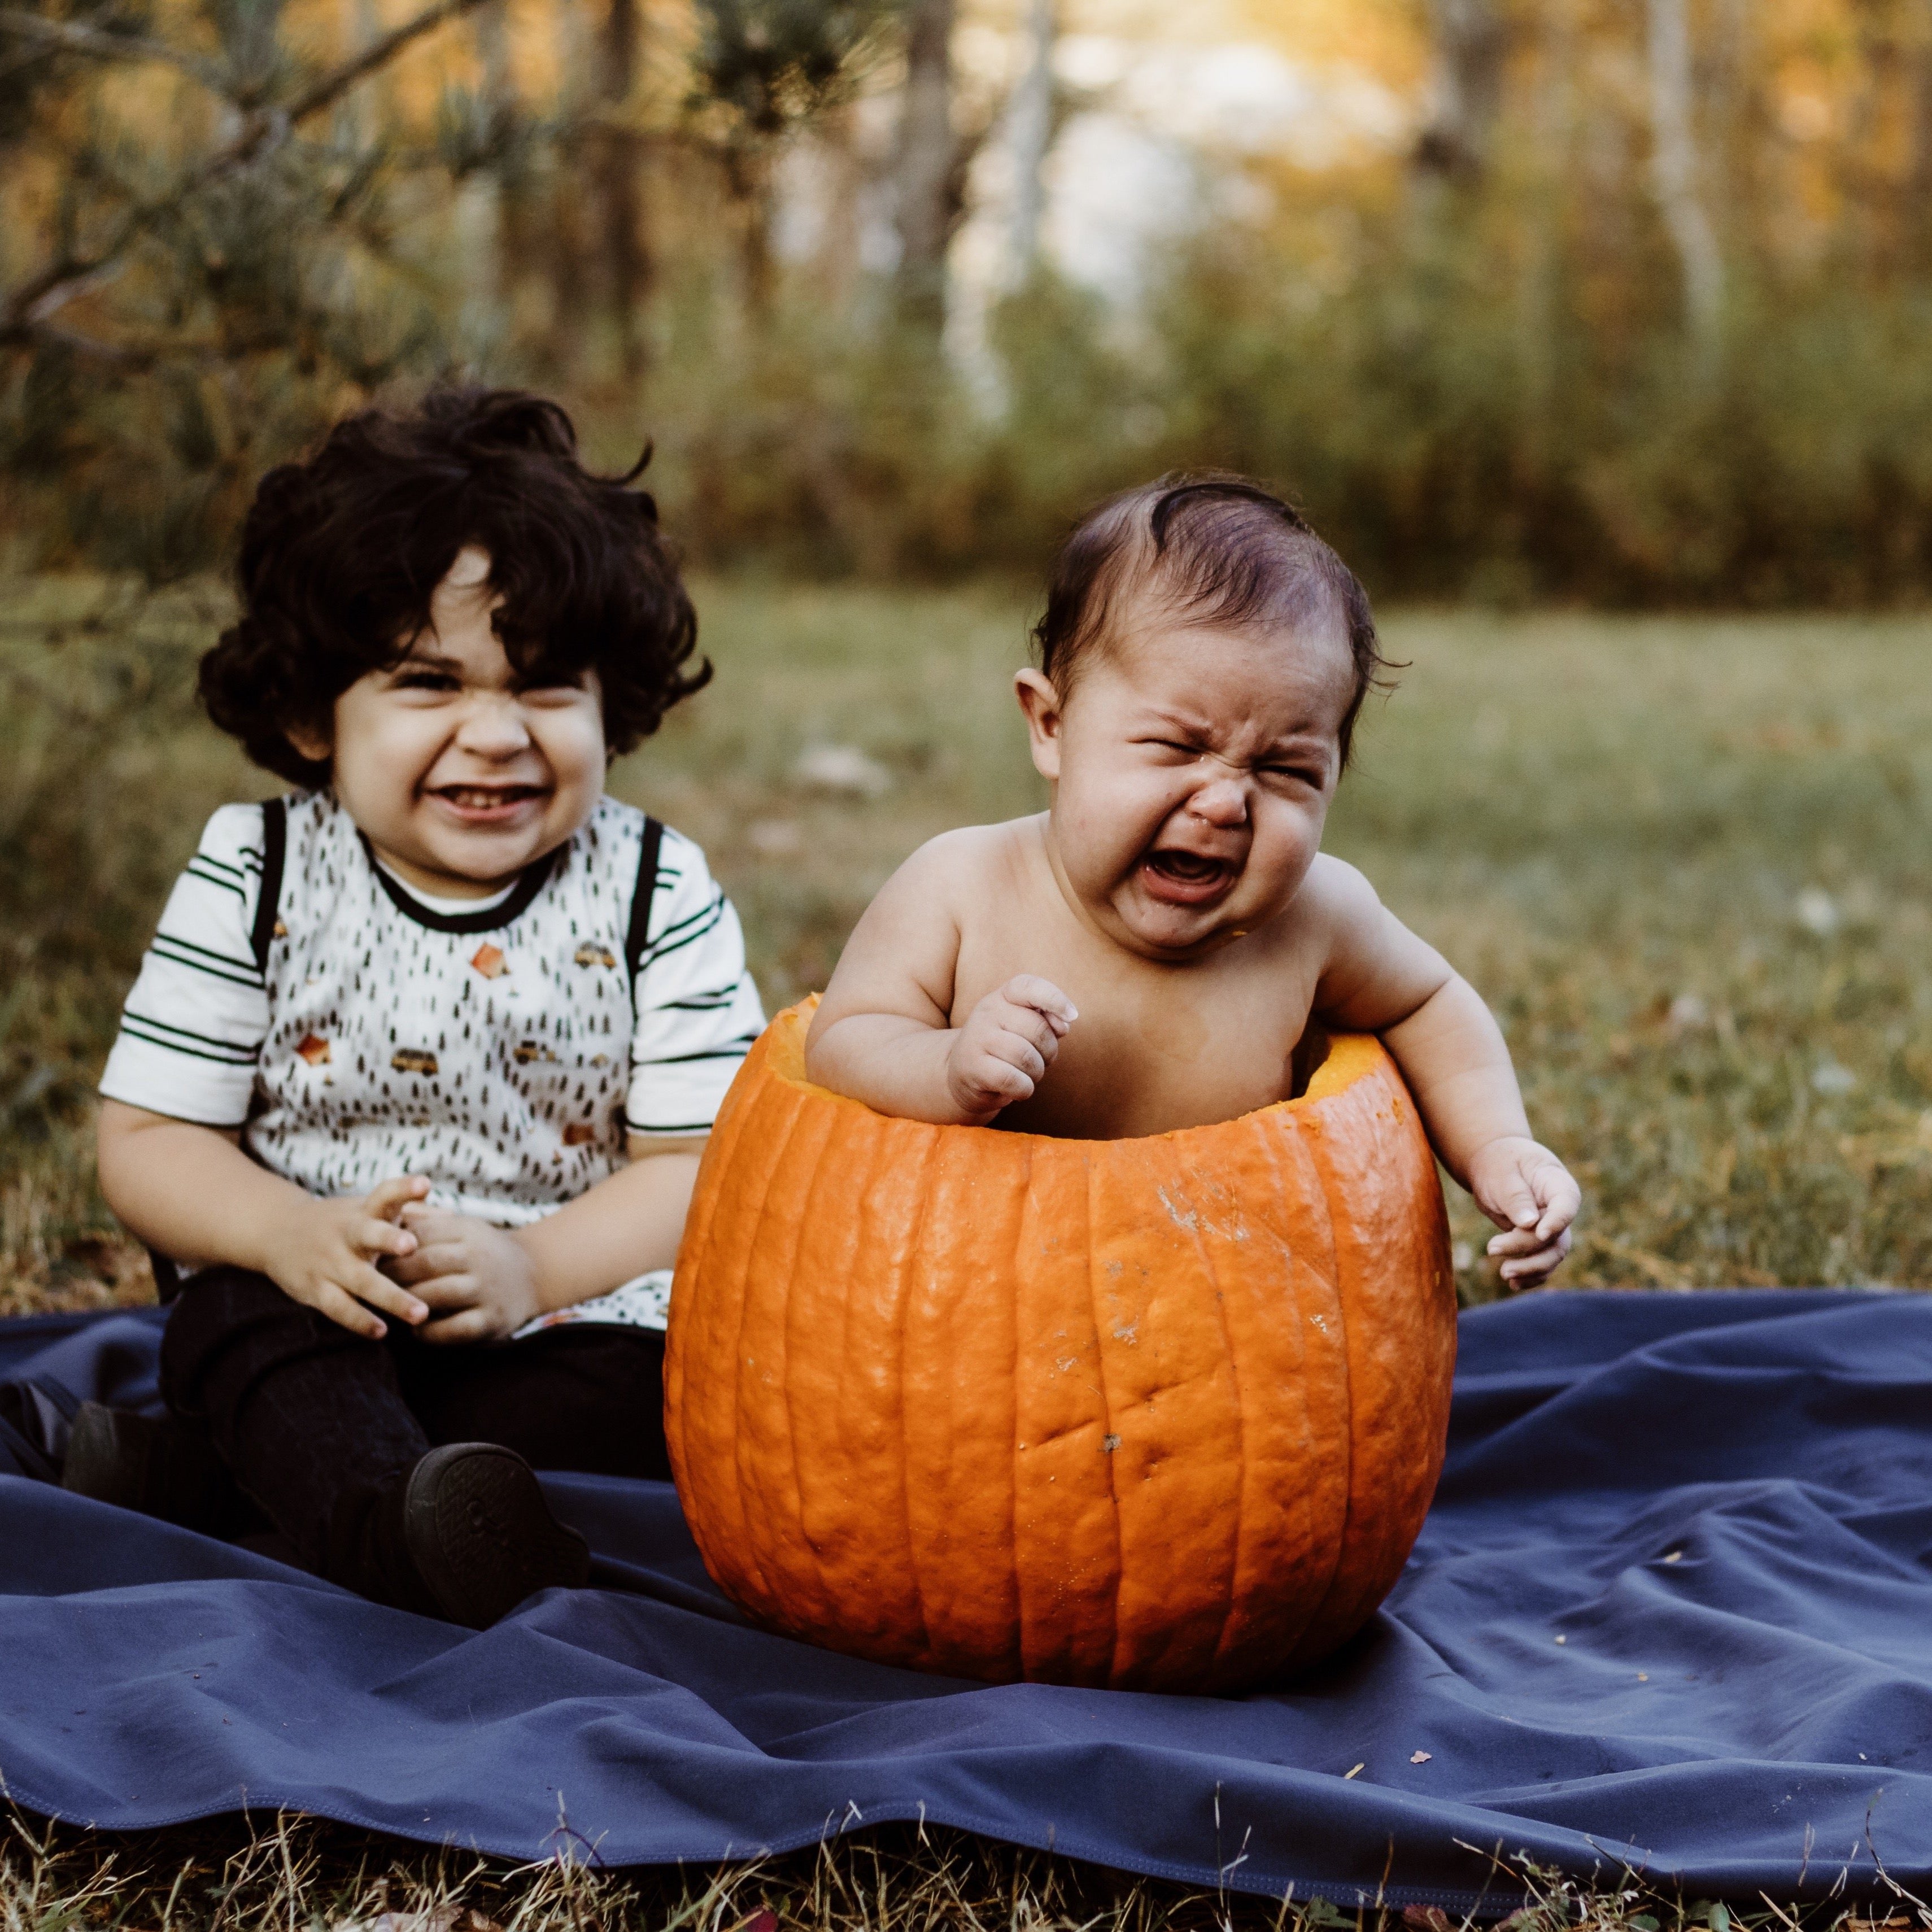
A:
[487,804]
[1187,878]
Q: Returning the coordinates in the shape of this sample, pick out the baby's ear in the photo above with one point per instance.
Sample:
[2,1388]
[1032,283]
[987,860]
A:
[1041,702]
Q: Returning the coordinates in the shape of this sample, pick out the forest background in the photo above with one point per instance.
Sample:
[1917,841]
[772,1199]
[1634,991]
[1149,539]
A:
[1620,300]
[1550,312]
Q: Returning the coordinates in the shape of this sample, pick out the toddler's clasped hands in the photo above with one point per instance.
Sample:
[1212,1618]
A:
[349,1258]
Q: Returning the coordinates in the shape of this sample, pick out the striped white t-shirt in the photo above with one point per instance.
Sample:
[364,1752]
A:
[502,1051]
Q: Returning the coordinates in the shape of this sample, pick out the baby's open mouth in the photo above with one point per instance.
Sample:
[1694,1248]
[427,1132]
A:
[1187,878]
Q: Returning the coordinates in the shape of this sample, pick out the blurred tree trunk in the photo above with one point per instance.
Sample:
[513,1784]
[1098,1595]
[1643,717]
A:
[619,166]
[923,169]
[1676,180]
[1917,214]
[565,246]
[1030,130]
[1471,43]
[1541,307]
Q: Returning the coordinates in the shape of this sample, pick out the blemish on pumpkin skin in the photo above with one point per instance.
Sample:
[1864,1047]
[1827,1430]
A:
[1108,1444]
[1188,1219]
[1130,1334]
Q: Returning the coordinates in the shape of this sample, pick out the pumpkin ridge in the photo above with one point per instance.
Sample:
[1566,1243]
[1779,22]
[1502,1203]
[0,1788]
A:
[1018,1652]
[1107,1433]
[900,1314]
[1312,1146]
[693,1415]
[1230,1354]
[794,1113]
[815,1564]
[1269,1148]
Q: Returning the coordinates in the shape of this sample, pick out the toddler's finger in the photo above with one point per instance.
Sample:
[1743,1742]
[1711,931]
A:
[346,1312]
[385,1237]
[449,1292]
[387,1198]
[473,1324]
[431,1262]
[381,1293]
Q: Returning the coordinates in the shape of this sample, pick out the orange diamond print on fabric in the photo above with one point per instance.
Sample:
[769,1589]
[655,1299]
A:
[413,1059]
[489,961]
[313,1049]
[579,1133]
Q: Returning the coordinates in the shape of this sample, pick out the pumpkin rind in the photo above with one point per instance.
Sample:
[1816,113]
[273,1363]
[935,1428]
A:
[1160,1413]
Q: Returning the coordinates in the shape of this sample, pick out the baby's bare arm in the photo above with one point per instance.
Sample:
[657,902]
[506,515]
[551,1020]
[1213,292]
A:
[883,1033]
[1380,978]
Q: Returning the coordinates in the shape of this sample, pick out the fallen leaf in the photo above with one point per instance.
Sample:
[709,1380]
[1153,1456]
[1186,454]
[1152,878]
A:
[1675,1556]
[1419,1757]
[1643,1677]
[1363,1766]
[1562,1639]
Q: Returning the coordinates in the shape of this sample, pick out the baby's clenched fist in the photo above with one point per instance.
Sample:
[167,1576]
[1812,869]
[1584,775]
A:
[1531,1196]
[1003,1052]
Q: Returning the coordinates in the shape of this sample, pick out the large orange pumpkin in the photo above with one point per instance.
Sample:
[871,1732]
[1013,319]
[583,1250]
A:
[1158,1414]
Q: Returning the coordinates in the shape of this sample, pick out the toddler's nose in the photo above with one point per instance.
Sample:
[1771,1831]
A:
[494,727]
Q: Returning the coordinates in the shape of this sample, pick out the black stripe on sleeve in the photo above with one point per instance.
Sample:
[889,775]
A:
[197,867]
[732,1050]
[236,1058]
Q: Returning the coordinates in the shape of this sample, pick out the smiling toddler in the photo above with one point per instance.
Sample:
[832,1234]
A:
[1163,947]
[410,1093]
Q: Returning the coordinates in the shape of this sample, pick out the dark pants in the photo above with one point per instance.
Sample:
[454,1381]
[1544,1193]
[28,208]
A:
[318,1425]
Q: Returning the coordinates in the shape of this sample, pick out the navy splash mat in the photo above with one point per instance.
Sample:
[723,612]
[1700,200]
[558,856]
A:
[1671,1611]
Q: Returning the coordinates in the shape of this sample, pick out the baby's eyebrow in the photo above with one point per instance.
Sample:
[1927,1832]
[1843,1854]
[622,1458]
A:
[427,660]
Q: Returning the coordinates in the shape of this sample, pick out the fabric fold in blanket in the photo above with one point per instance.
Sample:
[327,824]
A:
[1672,1612]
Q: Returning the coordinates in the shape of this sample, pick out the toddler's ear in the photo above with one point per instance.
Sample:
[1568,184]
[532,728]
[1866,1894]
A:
[1041,703]
[316,746]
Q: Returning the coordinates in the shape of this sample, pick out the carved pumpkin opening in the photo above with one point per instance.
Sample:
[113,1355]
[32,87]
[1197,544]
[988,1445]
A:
[1162,1413]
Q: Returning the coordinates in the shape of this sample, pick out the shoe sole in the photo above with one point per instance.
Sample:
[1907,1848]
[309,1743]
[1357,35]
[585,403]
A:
[481,1535]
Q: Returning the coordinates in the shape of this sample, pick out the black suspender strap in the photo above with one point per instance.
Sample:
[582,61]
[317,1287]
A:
[641,899]
[275,852]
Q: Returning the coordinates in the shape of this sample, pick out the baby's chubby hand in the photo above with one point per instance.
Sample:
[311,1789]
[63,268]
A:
[1529,1194]
[1003,1052]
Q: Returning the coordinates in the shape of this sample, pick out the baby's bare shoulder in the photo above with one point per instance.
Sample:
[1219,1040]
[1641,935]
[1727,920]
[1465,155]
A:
[966,863]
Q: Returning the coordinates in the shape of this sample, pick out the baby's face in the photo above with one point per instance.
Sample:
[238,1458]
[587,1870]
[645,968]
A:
[1193,769]
[458,773]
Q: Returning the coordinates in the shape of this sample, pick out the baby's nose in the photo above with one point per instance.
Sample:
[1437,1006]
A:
[1222,800]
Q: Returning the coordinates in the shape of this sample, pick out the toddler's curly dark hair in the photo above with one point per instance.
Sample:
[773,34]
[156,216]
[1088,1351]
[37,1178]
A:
[342,552]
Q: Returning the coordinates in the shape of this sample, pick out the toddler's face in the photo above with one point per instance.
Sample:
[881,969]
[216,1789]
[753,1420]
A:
[458,773]
[1193,769]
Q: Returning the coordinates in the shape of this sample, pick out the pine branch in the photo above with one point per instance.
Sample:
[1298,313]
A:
[77,36]
[57,282]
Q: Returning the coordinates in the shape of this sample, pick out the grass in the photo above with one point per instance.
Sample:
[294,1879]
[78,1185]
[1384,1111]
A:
[1688,862]
[299,1875]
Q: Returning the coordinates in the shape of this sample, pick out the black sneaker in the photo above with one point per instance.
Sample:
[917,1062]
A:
[153,1465]
[481,1536]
